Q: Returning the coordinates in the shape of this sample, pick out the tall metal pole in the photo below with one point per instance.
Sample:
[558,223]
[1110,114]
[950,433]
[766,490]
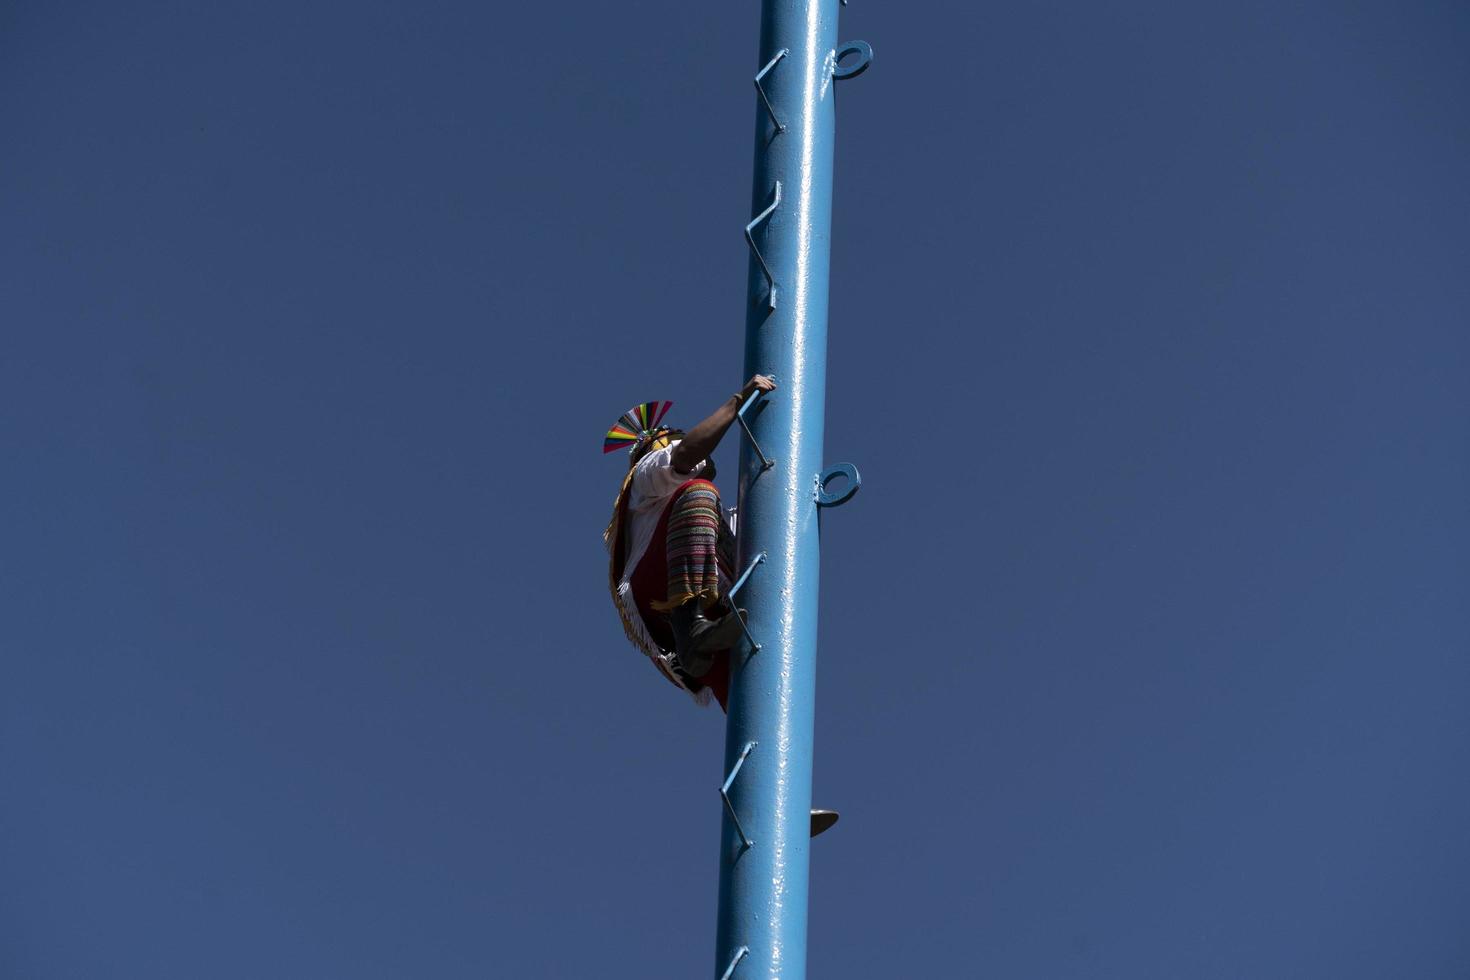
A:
[764,847]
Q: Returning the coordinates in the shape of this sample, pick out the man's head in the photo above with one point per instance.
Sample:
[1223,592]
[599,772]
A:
[657,439]
[660,438]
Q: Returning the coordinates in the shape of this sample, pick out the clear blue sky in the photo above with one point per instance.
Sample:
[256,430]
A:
[1144,650]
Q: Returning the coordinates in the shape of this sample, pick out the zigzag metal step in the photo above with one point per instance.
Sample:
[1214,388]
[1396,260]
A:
[750,240]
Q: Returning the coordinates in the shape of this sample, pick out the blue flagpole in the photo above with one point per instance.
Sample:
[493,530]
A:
[765,843]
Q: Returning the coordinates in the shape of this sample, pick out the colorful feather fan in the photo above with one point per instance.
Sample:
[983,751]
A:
[636,422]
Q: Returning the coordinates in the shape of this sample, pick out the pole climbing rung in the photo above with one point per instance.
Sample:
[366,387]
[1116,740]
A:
[745,427]
[780,126]
[750,240]
[725,792]
[735,610]
[740,954]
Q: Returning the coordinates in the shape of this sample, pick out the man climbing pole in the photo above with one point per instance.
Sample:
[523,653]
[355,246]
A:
[670,546]
[671,549]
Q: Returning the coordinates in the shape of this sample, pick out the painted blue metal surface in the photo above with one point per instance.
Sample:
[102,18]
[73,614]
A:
[765,842]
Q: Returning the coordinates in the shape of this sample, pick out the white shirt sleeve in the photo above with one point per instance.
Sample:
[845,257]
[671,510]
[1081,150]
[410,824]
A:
[655,479]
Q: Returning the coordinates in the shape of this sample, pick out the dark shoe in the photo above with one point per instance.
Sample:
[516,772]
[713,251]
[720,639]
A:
[823,820]
[697,637]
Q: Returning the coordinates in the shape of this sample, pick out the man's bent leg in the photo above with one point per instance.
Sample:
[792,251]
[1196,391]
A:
[692,546]
[692,556]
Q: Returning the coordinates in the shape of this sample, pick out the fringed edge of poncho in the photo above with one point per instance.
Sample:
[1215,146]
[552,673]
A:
[622,596]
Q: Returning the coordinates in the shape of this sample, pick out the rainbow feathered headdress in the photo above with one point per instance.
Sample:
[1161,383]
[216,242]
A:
[635,425]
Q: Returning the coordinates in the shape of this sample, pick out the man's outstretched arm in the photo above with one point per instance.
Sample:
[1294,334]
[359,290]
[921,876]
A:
[701,440]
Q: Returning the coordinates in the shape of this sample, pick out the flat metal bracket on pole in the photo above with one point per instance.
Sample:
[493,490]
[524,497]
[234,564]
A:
[826,498]
[750,240]
[725,793]
[852,69]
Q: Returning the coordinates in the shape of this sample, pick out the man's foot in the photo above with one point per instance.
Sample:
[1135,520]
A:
[823,820]
[697,637]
